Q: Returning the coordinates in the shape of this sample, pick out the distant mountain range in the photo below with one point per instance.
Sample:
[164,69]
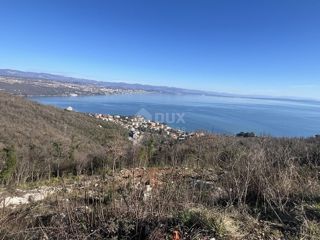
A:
[58,78]
[47,77]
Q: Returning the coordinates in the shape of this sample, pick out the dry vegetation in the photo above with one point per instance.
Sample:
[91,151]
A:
[208,187]
[51,142]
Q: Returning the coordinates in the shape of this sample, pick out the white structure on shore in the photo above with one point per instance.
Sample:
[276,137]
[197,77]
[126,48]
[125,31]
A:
[70,109]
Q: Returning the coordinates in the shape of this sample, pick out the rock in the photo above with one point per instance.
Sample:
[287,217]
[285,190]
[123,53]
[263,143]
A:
[147,193]
[26,197]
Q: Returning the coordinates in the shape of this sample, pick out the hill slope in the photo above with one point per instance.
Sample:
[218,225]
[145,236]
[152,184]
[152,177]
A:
[206,187]
[48,140]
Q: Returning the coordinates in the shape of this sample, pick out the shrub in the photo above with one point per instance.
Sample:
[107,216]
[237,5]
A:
[9,166]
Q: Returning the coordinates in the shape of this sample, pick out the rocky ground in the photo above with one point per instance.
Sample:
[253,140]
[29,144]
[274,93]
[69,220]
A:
[159,203]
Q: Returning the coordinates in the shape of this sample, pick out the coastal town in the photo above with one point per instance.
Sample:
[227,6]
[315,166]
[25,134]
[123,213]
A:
[138,126]
[44,87]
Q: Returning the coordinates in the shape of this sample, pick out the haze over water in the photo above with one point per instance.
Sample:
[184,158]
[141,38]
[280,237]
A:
[214,114]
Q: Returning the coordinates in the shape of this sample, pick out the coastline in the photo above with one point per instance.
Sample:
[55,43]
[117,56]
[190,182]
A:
[138,126]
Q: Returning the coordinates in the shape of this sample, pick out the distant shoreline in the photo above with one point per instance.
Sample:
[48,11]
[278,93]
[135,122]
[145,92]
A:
[34,78]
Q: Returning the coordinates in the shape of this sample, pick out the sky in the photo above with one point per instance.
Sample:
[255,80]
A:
[261,47]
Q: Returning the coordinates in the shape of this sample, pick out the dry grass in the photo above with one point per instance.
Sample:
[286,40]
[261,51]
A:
[212,186]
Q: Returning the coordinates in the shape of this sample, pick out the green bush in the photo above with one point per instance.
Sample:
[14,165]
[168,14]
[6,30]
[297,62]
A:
[9,166]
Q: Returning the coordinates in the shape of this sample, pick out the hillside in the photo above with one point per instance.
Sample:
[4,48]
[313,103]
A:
[42,134]
[24,86]
[66,175]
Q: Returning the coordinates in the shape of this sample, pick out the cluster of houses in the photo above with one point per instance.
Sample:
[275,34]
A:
[138,125]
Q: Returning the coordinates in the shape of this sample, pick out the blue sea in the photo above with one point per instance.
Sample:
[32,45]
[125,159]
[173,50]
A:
[226,115]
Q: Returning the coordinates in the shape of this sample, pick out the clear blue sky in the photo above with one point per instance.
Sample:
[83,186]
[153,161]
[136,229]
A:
[269,47]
